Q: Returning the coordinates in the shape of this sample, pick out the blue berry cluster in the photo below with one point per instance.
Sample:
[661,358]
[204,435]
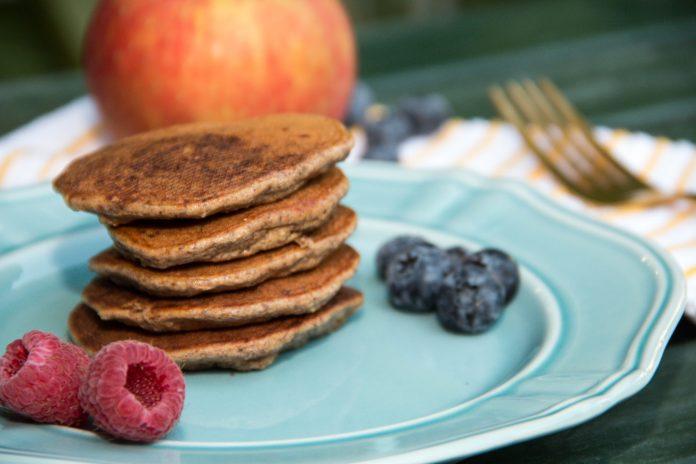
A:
[469,291]
[386,127]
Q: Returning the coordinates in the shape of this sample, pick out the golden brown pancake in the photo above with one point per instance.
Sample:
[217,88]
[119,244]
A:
[196,170]
[249,347]
[300,293]
[194,279]
[163,244]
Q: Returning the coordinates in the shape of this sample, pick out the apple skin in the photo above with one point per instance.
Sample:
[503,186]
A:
[151,64]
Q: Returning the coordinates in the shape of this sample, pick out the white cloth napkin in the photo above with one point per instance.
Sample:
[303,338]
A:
[41,149]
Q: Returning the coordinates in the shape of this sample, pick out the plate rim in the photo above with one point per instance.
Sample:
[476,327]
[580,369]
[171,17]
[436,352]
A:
[554,317]
[643,363]
[653,340]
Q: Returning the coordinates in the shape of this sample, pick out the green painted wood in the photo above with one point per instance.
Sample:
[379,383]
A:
[490,27]
[625,63]
[22,100]
[617,72]
[27,45]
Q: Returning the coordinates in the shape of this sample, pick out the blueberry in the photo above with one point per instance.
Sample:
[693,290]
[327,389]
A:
[502,267]
[415,277]
[470,300]
[361,100]
[390,128]
[467,272]
[394,247]
[382,153]
[458,253]
[426,113]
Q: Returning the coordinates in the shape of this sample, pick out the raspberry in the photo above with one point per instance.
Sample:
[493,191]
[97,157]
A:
[40,377]
[133,391]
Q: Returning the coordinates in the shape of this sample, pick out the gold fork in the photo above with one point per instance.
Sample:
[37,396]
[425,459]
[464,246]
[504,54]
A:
[563,141]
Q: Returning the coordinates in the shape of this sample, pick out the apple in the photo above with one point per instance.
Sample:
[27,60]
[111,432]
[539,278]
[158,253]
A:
[151,64]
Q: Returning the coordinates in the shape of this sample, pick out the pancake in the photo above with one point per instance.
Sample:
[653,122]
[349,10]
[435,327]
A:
[196,170]
[193,279]
[163,244]
[300,293]
[250,347]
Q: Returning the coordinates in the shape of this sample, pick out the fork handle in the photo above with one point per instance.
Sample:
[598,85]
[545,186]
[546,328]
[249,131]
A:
[656,198]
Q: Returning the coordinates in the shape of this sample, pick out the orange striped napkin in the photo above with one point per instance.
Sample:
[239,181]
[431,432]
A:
[39,150]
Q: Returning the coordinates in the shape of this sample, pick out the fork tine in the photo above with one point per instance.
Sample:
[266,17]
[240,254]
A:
[607,176]
[561,102]
[557,153]
[569,111]
[507,109]
[547,109]
[552,118]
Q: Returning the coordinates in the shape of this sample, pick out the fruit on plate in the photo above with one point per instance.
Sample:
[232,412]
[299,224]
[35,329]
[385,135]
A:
[153,64]
[395,246]
[470,300]
[133,391]
[40,377]
[415,277]
[469,291]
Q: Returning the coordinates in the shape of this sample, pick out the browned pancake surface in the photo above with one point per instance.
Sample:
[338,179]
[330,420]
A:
[195,170]
[193,279]
[163,244]
[298,293]
[244,348]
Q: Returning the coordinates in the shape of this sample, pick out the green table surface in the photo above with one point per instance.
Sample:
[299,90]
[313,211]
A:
[625,63]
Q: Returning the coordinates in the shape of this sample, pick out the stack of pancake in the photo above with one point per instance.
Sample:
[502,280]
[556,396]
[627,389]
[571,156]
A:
[228,239]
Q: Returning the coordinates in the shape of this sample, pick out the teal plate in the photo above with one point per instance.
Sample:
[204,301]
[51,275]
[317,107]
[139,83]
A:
[587,329]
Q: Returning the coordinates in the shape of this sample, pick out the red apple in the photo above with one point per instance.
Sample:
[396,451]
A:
[154,63]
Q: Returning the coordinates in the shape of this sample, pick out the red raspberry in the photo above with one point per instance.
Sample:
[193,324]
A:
[133,391]
[40,377]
